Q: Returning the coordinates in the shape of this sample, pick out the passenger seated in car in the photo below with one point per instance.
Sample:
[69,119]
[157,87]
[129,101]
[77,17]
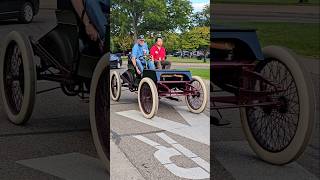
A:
[93,14]
[139,51]
[158,54]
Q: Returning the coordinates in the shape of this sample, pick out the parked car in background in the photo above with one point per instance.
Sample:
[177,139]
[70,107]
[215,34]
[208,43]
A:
[186,54]
[177,54]
[23,10]
[115,61]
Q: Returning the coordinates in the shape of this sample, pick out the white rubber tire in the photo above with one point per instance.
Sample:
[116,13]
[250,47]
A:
[307,109]
[117,95]
[100,137]
[30,78]
[155,98]
[205,96]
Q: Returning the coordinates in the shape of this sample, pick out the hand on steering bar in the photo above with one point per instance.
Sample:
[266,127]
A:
[92,32]
[138,71]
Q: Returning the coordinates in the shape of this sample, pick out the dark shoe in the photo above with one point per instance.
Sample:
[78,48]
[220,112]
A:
[219,121]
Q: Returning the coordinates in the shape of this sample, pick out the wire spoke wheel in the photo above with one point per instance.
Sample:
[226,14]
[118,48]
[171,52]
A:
[279,133]
[148,98]
[115,86]
[274,128]
[197,101]
[18,77]
[14,78]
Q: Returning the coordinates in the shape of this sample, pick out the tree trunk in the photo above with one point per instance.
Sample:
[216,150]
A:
[135,27]
[135,22]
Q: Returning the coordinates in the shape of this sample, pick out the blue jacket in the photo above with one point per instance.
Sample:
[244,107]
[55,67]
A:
[137,50]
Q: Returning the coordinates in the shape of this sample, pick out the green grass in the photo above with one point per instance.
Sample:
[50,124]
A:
[185,60]
[203,73]
[276,2]
[178,60]
[300,37]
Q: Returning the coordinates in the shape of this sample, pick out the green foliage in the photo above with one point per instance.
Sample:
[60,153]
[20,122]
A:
[196,38]
[141,16]
[122,43]
[172,42]
[173,19]
[202,18]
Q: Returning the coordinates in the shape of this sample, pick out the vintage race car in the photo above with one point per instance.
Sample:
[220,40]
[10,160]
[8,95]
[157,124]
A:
[156,84]
[270,87]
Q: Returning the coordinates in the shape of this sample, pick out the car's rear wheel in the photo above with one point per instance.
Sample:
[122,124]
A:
[27,12]
[115,86]
[279,134]
[198,101]
[17,78]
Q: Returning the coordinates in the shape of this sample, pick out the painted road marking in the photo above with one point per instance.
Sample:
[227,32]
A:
[229,154]
[197,130]
[163,155]
[73,166]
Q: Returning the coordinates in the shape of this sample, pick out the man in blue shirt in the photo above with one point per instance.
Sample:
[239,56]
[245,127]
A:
[139,50]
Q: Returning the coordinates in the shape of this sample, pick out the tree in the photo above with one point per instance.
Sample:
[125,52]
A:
[172,41]
[139,16]
[198,38]
[202,18]
[123,42]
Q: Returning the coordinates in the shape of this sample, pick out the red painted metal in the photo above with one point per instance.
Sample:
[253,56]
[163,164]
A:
[244,95]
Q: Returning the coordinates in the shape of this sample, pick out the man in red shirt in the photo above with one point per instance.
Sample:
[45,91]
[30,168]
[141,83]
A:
[158,55]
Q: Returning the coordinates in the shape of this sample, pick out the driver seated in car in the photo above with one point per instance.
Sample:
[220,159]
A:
[139,52]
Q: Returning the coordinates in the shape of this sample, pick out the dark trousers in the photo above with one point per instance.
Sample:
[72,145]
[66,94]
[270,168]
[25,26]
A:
[163,64]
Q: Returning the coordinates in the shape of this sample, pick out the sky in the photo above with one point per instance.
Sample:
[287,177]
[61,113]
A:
[199,4]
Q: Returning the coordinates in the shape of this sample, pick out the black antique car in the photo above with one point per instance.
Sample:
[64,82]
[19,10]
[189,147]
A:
[155,84]
[270,87]
[23,10]
[57,57]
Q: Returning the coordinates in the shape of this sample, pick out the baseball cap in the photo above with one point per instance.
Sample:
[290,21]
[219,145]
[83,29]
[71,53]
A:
[141,37]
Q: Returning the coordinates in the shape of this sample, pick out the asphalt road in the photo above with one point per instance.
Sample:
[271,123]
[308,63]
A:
[173,121]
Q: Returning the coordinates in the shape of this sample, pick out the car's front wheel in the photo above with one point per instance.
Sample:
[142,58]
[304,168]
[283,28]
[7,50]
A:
[27,12]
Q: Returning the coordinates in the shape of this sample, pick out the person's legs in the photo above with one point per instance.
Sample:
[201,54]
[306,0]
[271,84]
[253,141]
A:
[166,64]
[157,64]
[151,65]
[140,65]
[95,12]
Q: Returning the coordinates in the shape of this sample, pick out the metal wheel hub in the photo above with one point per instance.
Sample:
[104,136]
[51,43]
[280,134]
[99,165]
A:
[28,13]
